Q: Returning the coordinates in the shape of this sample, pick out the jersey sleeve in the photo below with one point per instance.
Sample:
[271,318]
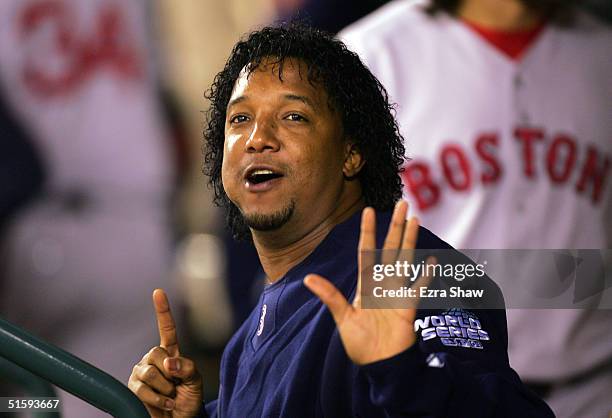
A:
[443,376]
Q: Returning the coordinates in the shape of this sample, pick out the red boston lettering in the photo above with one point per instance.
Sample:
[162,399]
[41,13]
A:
[486,148]
[456,167]
[594,174]
[528,137]
[560,154]
[560,158]
[417,178]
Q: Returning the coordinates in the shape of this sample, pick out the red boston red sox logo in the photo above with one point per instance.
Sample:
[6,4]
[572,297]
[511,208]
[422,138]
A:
[558,156]
[106,45]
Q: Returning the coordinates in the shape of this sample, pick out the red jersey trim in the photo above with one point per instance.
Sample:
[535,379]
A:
[513,44]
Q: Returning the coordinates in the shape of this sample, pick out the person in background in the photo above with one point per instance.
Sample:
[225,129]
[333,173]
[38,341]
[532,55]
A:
[505,106]
[79,77]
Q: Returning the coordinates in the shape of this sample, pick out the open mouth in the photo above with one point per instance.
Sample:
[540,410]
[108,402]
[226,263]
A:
[259,176]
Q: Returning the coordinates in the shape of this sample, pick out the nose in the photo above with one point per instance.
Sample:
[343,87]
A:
[262,138]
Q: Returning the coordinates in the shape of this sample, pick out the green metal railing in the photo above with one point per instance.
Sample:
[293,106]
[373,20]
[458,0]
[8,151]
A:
[68,372]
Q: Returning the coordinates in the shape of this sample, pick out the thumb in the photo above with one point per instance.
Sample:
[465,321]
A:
[182,368]
[329,295]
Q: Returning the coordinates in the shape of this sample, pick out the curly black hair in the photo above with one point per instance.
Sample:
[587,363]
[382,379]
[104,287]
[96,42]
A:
[361,100]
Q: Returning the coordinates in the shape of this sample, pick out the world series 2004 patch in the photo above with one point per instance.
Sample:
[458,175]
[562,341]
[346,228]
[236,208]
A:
[455,328]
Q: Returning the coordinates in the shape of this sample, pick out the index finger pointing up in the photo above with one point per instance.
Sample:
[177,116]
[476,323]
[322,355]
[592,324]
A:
[165,323]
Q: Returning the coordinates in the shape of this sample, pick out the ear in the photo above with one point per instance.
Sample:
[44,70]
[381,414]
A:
[353,160]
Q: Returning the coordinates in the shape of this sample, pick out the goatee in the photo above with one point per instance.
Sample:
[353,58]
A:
[269,221]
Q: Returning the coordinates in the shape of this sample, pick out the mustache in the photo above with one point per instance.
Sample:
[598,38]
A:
[280,166]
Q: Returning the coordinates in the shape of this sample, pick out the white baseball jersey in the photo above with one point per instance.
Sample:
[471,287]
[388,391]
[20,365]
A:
[80,263]
[505,153]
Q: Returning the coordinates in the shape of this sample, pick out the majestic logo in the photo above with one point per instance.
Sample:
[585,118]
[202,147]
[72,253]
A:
[262,319]
[455,328]
[433,360]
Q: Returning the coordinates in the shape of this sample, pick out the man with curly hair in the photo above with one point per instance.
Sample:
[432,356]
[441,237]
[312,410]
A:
[302,149]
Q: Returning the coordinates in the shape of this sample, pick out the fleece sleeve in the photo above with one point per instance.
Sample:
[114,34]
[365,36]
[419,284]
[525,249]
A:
[453,377]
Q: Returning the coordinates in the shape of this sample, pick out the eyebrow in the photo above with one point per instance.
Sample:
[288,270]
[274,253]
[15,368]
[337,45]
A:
[236,101]
[302,99]
[295,97]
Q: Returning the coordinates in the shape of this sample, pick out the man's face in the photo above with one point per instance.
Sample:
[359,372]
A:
[284,149]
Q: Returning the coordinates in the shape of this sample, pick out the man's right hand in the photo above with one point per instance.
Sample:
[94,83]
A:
[169,385]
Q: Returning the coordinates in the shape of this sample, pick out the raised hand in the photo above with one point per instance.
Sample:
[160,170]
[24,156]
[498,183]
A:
[169,385]
[371,335]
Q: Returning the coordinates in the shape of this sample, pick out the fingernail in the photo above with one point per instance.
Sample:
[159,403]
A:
[169,404]
[311,279]
[174,365]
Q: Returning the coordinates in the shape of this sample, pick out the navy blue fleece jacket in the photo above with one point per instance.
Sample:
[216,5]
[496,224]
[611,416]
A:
[287,359]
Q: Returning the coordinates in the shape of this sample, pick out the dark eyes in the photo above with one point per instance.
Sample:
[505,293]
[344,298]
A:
[294,117]
[238,119]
